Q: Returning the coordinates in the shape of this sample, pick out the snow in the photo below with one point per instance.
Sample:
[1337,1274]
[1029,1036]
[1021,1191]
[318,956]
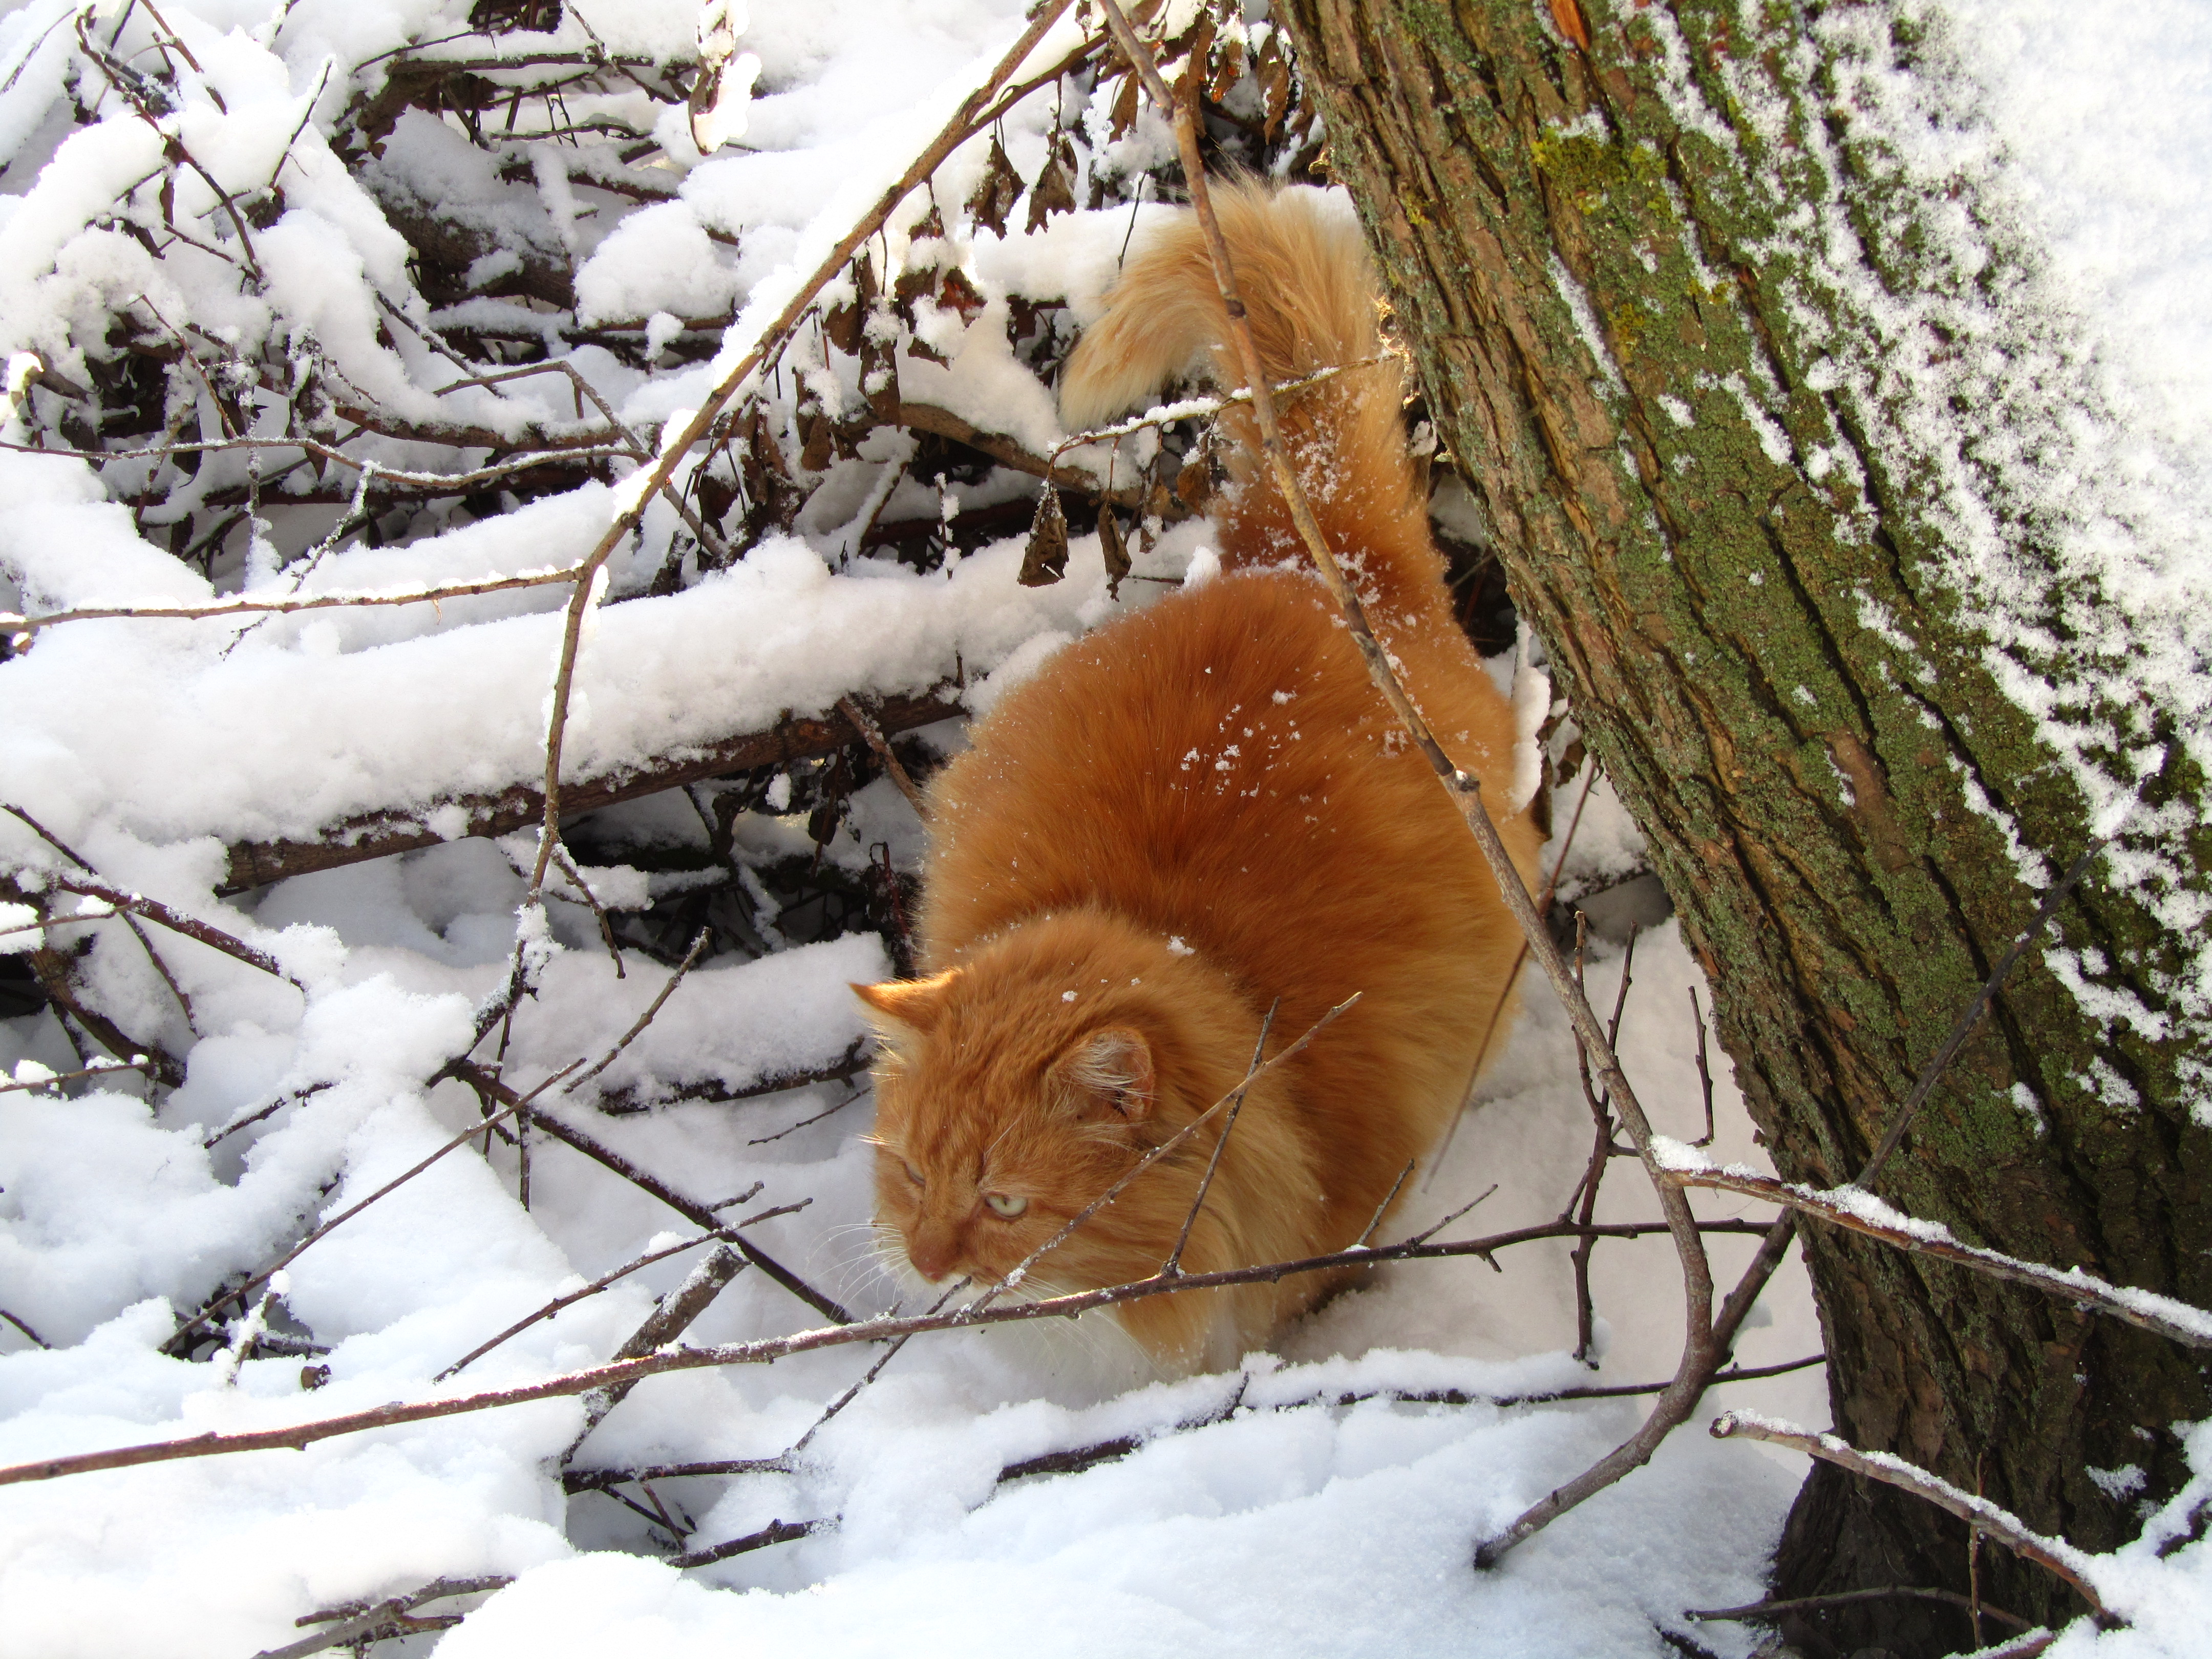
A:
[1318,1515]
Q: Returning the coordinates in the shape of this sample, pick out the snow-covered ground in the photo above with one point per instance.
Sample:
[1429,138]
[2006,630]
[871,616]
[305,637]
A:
[1292,1525]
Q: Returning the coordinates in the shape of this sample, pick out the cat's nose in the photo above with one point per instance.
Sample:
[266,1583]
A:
[931,1252]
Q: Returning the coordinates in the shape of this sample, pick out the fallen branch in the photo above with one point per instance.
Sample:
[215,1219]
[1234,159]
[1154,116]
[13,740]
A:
[1860,1212]
[378,835]
[672,1315]
[2054,1554]
[382,1622]
[855,1059]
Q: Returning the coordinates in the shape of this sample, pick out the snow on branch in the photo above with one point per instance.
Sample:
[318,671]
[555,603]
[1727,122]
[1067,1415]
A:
[1991,1519]
[1861,1212]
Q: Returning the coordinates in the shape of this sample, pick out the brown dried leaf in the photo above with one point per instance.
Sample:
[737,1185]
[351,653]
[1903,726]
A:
[995,196]
[957,293]
[845,323]
[879,377]
[1125,107]
[815,433]
[1274,72]
[1569,17]
[1194,483]
[1228,70]
[1197,42]
[1113,549]
[1054,191]
[1045,560]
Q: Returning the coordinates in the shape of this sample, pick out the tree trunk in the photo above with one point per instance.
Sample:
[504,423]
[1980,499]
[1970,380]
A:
[1756,424]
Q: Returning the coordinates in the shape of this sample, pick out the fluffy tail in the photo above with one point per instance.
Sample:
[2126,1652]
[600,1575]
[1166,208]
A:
[1308,290]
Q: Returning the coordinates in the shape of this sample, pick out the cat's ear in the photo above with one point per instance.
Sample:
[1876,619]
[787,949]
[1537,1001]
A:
[906,1007]
[1113,1069]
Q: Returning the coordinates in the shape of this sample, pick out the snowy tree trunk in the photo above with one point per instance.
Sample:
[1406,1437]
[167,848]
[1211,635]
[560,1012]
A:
[1775,431]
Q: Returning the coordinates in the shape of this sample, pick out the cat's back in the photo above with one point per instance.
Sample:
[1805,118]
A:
[1218,767]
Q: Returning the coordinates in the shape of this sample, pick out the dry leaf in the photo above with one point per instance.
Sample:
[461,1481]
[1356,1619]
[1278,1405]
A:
[1001,187]
[956,293]
[1045,560]
[845,323]
[1194,483]
[1228,70]
[1054,191]
[1113,549]
[819,441]
[1125,107]
[1274,73]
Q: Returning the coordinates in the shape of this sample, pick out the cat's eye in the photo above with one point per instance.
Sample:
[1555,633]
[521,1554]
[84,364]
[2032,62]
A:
[1002,1204]
[913,1174]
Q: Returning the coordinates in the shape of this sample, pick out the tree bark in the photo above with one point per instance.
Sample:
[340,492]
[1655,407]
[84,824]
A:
[1629,245]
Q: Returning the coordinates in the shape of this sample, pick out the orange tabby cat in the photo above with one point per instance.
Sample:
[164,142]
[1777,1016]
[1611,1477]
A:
[1194,811]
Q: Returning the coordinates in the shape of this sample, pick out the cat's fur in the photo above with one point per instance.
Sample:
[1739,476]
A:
[1190,813]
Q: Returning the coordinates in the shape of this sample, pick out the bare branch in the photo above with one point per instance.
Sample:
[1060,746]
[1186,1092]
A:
[872,735]
[383,1621]
[777,1532]
[671,1317]
[2052,1553]
[1173,1265]
[141,1063]
[1860,1212]
[767,1350]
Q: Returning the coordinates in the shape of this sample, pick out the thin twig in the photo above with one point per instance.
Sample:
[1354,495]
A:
[611,1277]
[598,911]
[777,1532]
[1849,1598]
[872,735]
[251,607]
[477,1077]
[383,1621]
[175,920]
[2054,1554]
[140,1064]
[690,958]
[1173,1265]
[25,1329]
[1384,1208]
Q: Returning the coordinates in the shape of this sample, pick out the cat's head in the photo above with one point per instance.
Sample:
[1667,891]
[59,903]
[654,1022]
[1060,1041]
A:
[1015,1088]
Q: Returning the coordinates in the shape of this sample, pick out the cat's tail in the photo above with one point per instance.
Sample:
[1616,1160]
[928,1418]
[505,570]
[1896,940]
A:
[1309,293]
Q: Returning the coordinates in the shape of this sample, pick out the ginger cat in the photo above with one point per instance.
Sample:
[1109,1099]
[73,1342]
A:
[1195,810]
